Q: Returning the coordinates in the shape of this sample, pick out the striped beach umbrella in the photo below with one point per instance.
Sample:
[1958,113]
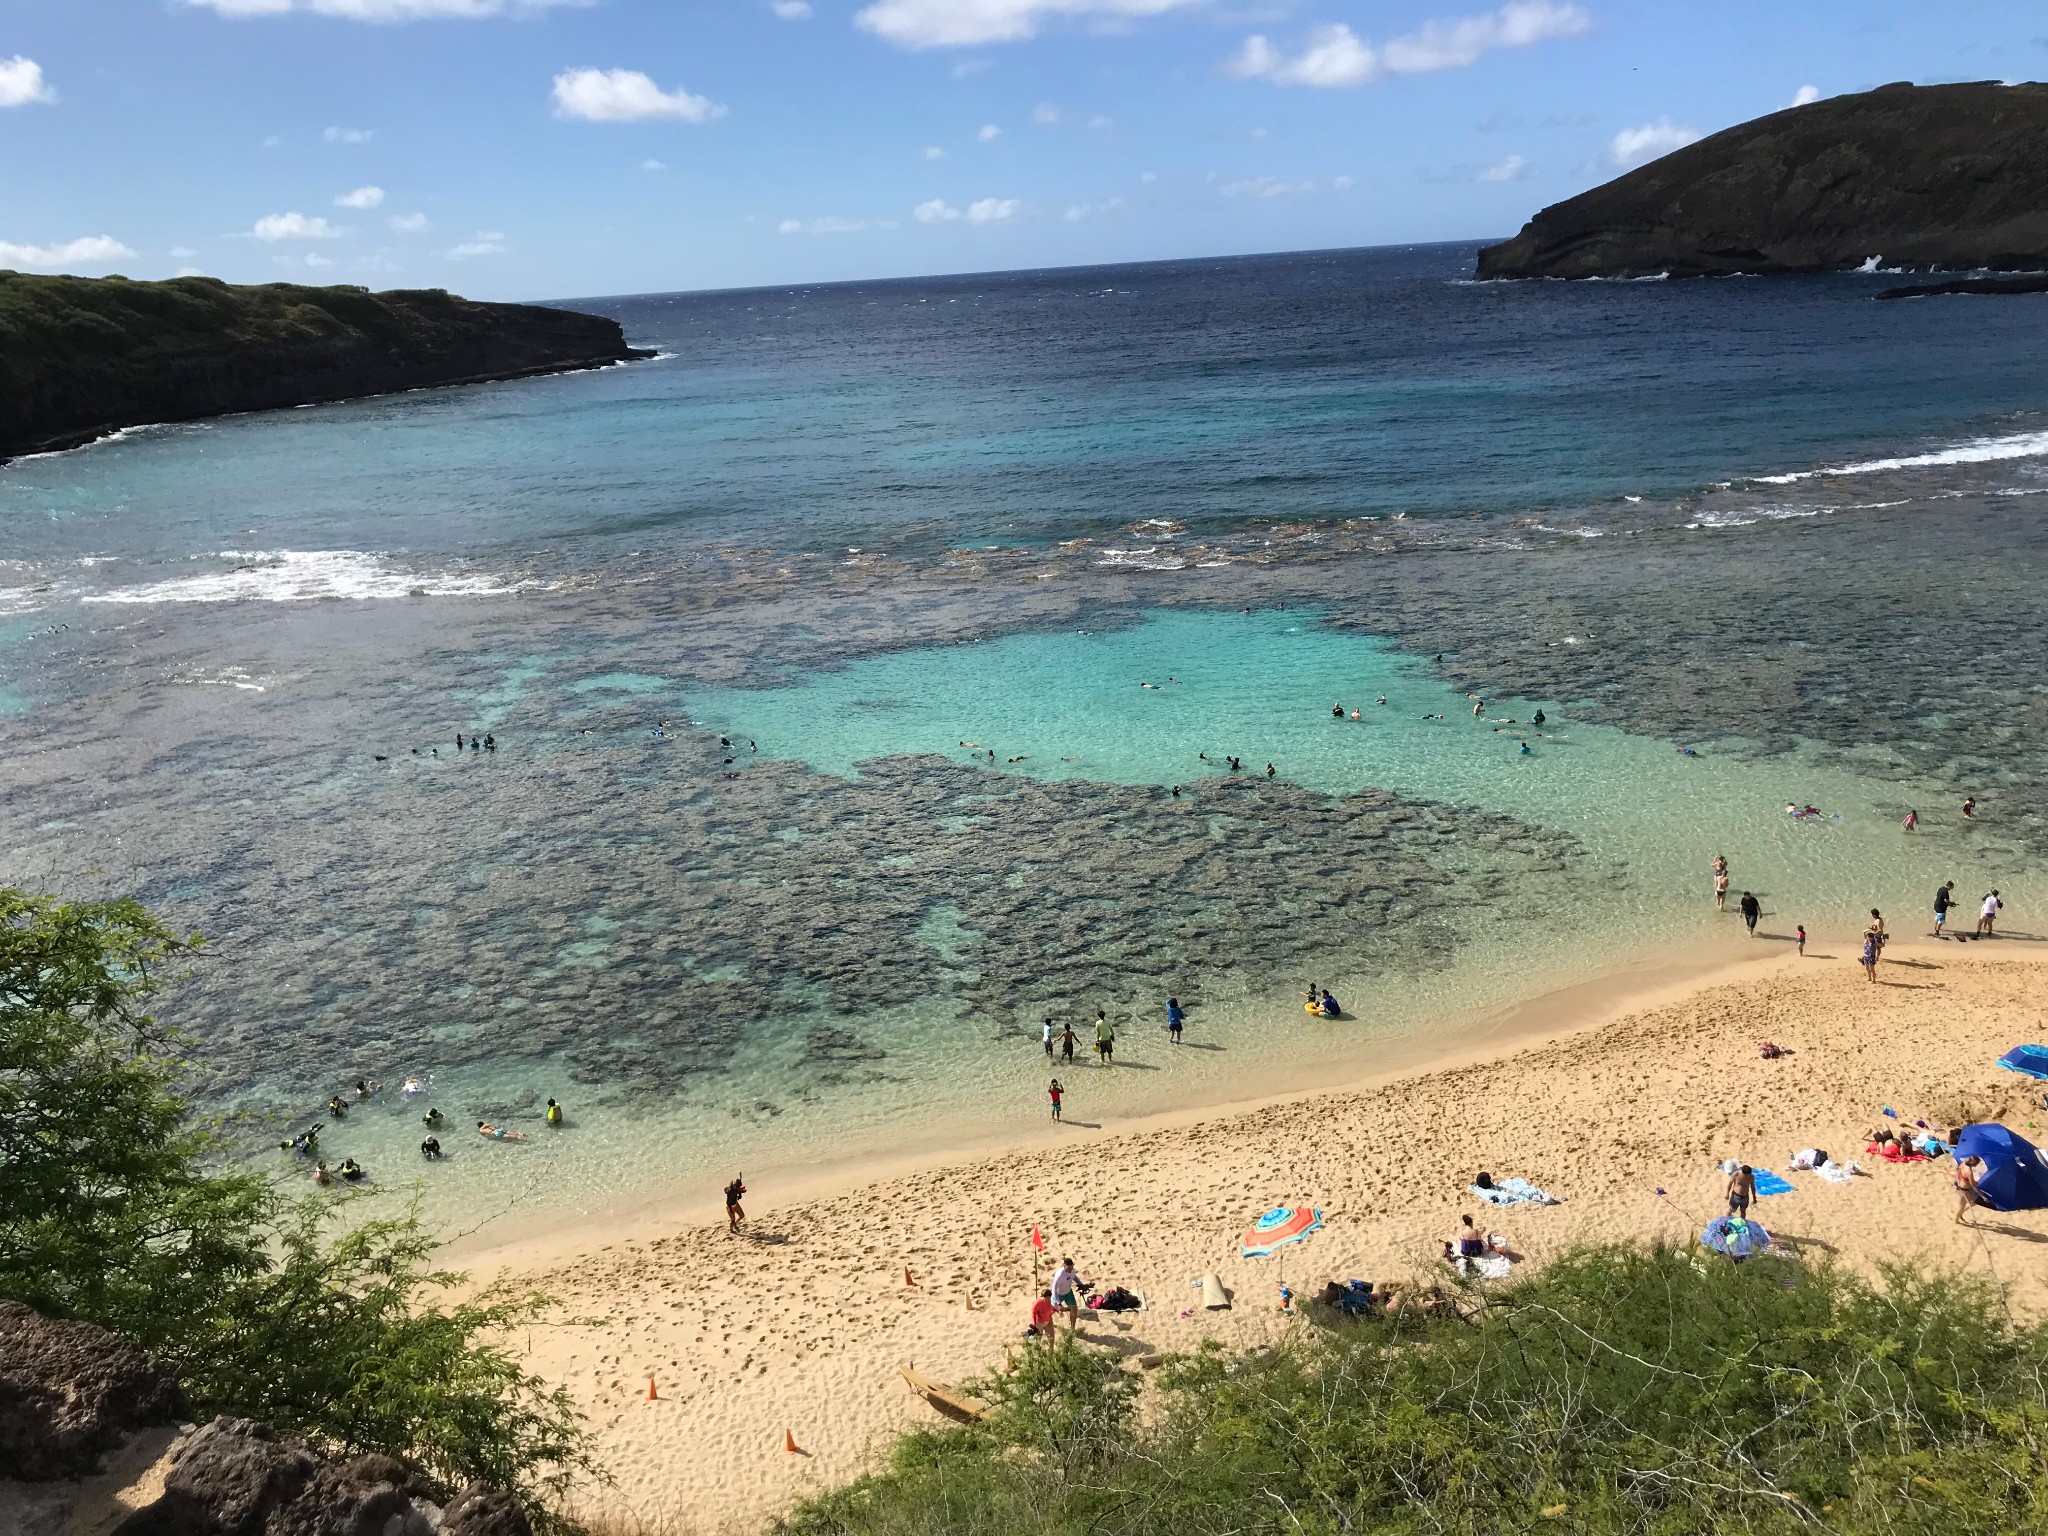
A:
[1280,1226]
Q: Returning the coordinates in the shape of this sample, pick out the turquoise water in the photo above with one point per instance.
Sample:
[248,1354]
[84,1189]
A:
[1262,686]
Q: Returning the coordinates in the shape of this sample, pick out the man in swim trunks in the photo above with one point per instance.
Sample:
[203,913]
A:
[1943,900]
[735,1214]
[1066,1292]
[1067,1043]
[1752,909]
[1741,1190]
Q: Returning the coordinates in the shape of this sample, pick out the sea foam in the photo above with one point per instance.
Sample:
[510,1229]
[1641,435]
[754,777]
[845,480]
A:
[308,575]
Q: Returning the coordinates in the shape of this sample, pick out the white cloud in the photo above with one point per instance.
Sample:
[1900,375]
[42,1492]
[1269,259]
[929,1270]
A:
[312,259]
[293,226]
[965,23]
[362,197]
[88,251]
[933,152]
[488,242]
[1045,114]
[181,253]
[1264,186]
[22,82]
[993,210]
[1342,183]
[1337,57]
[1101,122]
[188,272]
[989,133]
[791,10]
[1079,211]
[653,165]
[937,211]
[1510,169]
[967,68]
[347,135]
[1806,96]
[407,223]
[380,10]
[831,226]
[272,141]
[626,96]
[1633,146]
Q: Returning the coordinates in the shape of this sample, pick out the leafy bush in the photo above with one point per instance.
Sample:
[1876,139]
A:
[1618,1391]
[116,1207]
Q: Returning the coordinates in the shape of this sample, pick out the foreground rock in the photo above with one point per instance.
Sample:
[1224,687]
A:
[80,357]
[90,1445]
[1942,176]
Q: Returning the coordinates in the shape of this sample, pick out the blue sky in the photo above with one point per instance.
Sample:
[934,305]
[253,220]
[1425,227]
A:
[520,149]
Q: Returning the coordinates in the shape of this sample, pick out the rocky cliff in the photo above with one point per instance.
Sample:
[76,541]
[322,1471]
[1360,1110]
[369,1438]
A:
[80,357]
[91,1445]
[1937,176]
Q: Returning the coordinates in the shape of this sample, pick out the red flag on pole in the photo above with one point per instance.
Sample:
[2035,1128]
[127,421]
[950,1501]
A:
[1038,1239]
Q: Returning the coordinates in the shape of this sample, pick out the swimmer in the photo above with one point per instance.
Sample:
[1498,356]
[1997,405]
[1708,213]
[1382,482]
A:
[1270,770]
[491,742]
[1356,716]
[486,1129]
[413,1087]
[1479,708]
[1382,699]
[336,1107]
[554,1114]
[1153,686]
[1912,821]
[1176,791]
[321,1175]
[364,1087]
[1537,718]
[1024,759]
[431,1117]
[1687,752]
[431,1148]
[458,741]
[351,1170]
[1337,710]
[1523,750]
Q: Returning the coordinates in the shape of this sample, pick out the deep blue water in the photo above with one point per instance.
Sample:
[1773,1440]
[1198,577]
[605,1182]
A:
[1029,407]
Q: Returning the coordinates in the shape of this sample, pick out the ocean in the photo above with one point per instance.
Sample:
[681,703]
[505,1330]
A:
[864,671]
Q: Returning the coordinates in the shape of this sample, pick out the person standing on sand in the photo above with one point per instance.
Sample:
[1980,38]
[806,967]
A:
[1868,959]
[1988,915]
[1799,938]
[1752,909]
[1943,900]
[1741,1190]
[1066,1292]
[1055,1092]
[1176,1016]
[1967,1192]
[735,1214]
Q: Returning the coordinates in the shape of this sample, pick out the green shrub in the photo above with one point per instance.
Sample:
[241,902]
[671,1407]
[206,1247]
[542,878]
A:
[1617,1391]
[116,1207]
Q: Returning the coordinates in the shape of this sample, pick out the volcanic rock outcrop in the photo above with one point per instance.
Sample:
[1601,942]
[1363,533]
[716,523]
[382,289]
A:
[81,357]
[1924,177]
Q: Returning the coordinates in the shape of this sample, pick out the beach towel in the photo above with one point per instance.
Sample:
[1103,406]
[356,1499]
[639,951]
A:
[1513,1192]
[1491,1266]
[1838,1173]
[1769,1183]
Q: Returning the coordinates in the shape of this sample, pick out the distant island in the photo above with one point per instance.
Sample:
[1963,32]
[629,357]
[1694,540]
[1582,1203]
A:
[1936,177]
[81,357]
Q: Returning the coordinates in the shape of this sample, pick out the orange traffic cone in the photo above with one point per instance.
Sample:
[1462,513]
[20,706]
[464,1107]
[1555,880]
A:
[652,1395]
[907,1279]
[789,1445]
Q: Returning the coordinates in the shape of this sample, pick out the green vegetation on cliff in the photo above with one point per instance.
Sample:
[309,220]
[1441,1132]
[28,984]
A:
[117,1207]
[1616,1391]
[82,356]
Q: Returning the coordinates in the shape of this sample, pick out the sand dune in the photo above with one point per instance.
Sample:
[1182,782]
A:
[799,1325]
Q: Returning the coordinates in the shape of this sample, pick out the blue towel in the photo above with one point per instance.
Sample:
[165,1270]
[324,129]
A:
[1516,1191]
[1768,1183]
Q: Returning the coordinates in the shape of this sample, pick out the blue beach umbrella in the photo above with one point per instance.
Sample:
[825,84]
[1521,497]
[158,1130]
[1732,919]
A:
[2030,1059]
[1280,1226]
[1735,1236]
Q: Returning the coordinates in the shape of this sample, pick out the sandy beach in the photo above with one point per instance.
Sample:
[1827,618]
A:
[798,1326]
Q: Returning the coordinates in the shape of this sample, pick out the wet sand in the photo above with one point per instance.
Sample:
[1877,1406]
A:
[798,1326]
